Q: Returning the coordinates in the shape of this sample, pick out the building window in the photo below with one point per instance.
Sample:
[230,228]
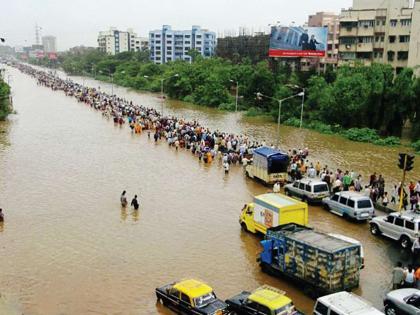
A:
[169,59]
[406,22]
[391,55]
[198,36]
[169,42]
[168,36]
[404,38]
[198,42]
[365,39]
[392,39]
[157,35]
[382,38]
[187,36]
[378,54]
[158,42]
[393,23]
[187,42]
[366,23]
[402,55]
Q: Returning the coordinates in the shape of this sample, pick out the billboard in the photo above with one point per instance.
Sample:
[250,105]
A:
[298,41]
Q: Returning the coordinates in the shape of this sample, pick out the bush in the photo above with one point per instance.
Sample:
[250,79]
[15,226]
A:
[361,134]
[321,127]
[292,121]
[188,99]
[416,146]
[390,141]
[227,106]
[253,111]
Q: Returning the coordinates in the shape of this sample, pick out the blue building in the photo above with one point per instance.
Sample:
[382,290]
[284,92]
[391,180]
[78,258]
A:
[168,45]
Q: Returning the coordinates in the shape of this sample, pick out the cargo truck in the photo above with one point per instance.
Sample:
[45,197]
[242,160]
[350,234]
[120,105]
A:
[268,165]
[320,263]
[271,210]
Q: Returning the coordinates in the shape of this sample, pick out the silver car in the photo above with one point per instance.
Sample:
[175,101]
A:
[350,204]
[402,301]
[307,189]
[403,227]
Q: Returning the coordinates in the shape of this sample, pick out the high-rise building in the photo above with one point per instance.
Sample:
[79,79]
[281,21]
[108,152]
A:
[380,31]
[114,41]
[49,44]
[414,48]
[168,45]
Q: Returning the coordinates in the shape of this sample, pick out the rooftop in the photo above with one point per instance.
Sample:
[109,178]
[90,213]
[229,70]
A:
[193,288]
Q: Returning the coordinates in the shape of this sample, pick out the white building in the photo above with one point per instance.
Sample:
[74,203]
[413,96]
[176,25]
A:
[168,45]
[114,41]
[49,43]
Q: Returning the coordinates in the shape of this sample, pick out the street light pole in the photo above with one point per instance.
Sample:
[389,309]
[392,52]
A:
[301,110]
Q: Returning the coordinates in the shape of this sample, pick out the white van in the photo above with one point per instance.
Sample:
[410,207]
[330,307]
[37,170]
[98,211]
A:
[344,303]
[350,204]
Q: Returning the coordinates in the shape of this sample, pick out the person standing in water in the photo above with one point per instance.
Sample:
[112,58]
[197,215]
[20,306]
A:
[135,203]
[1,215]
[123,199]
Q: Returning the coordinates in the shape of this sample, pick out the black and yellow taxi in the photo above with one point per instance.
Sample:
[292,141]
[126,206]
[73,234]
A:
[265,300]
[191,297]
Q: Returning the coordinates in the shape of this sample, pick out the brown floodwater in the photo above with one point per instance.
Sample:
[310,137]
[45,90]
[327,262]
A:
[66,247]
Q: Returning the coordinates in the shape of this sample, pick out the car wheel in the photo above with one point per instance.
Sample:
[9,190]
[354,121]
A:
[405,242]
[326,207]
[390,310]
[374,229]
[303,198]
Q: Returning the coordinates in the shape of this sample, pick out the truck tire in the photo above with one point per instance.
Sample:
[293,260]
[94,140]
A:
[374,229]
[244,227]
[304,199]
[390,310]
[405,242]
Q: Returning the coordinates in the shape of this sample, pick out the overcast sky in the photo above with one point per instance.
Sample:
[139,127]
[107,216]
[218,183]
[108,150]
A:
[77,22]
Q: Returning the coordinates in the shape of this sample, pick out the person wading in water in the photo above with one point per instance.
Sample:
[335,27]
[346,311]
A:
[123,199]
[135,203]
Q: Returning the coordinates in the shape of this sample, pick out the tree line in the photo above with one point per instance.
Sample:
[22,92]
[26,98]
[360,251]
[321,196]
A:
[368,98]
[4,100]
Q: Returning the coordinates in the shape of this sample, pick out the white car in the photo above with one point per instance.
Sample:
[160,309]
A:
[307,189]
[402,227]
[402,301]
[350,204]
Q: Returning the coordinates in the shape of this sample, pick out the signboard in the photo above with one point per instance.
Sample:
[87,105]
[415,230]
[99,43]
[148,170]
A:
[52,56]
[298,41]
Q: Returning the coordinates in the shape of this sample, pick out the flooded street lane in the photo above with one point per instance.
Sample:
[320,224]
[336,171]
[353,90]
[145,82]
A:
[66,246]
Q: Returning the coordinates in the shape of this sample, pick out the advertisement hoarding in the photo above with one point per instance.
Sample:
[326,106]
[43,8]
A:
[298,41]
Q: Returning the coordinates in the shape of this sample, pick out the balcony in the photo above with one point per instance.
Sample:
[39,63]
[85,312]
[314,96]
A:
[365,31]
[364,47]
[347,48]
[348,31]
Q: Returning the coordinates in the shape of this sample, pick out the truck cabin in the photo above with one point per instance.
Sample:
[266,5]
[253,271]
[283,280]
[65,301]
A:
[272,160]
[269,301]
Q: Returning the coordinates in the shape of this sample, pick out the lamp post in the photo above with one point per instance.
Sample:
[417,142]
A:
[303,101]
[237,95]
[280,101]
[161,88]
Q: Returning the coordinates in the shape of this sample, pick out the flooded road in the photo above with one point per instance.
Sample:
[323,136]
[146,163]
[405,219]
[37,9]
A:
[66,247]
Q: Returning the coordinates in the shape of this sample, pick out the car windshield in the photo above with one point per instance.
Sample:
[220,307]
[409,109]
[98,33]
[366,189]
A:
[287,309]
[204,299]
[320,188]
[364,203]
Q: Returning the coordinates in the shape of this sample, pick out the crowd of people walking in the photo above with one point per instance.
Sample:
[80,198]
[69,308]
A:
[228,148]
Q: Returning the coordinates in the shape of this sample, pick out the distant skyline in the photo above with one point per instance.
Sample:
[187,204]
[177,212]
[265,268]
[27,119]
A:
[78,22]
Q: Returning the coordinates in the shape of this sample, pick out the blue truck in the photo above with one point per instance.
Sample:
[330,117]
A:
[320,263]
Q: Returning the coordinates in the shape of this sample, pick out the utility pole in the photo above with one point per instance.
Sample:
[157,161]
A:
[406,163]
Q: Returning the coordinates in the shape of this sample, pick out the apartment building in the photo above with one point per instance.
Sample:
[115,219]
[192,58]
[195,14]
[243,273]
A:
[50,44]
[168,45]
[331,21]
[378,31]
[114,41]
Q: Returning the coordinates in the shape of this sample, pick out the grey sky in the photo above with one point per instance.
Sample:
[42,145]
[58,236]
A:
[77,22]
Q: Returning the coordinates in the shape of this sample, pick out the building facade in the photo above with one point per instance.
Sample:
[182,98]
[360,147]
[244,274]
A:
[50,44]
[114,41]
[378,31]
[169,45]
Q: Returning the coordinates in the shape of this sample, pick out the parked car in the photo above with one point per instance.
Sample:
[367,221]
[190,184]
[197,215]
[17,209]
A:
[402,227]
[350,204]
[353,241]
[402,301]
[344,303]
[308,189]
[191,297]
[265,300]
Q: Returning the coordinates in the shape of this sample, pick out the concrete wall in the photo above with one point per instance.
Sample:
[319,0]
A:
[379,4]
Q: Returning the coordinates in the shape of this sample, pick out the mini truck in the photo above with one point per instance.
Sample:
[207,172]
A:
[268,165]
[322,264]
[271,210]
[265,300]
[191,297]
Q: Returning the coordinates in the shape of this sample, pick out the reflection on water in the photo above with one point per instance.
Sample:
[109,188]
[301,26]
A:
[69,248]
